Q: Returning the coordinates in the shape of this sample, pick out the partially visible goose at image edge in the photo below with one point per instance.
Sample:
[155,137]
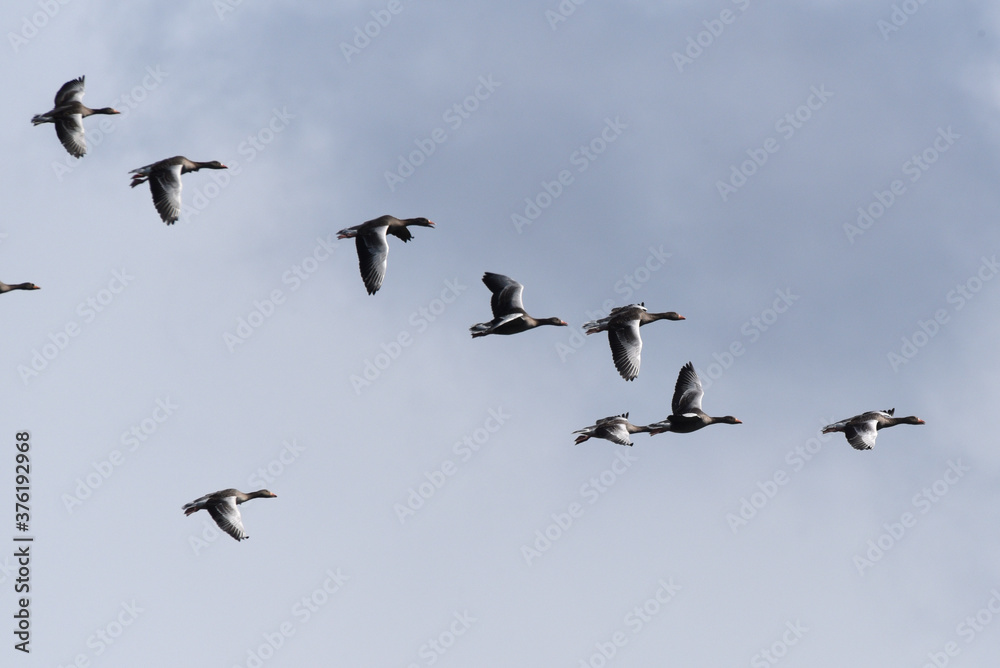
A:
[165,182]
[861,430]
[222,506]
[17,286]
[622,326]
[373,247]
[686,413]
[509,316]
[68,115]
[615,428]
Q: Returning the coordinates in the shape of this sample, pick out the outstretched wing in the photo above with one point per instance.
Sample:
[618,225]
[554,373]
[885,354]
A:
[373,255]
[227,516]
[165,184]
[626,349]
[69,129]
[71,91]
[687,392]
[507,293]
[861,435]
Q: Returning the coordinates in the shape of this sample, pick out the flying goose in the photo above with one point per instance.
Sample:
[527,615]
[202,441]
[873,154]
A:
[68,115]
[615,429]
[622,326]
[686,414]
[17,286]
[509,316]
[165,182]
[222,506]
[373,247]
[861,430]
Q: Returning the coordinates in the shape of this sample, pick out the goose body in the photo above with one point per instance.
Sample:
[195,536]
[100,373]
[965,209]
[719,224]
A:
[373,246]
[17,286]
[509,316]
[68,115]
[615,428]
[622,326]
[861,430]
[164,179]
[686,413]
[222,506]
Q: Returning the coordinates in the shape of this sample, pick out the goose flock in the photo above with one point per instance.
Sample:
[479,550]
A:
[509,316]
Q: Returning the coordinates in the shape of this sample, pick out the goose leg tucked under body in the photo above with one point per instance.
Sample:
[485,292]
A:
[686,413]
[222,506]
[861,430]
[509,316]
[373,246]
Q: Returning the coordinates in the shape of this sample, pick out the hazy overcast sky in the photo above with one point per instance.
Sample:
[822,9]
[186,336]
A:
[812,187]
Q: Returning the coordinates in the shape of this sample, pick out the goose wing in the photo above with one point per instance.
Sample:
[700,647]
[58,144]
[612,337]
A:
[687,392]
[615,431]
[861,434]
[507,293]
[71,91]
[626,348]
[227,516]
[69,129]
[165,185]
[373,255]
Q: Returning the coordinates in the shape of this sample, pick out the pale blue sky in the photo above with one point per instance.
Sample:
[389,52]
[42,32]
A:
[599,160]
